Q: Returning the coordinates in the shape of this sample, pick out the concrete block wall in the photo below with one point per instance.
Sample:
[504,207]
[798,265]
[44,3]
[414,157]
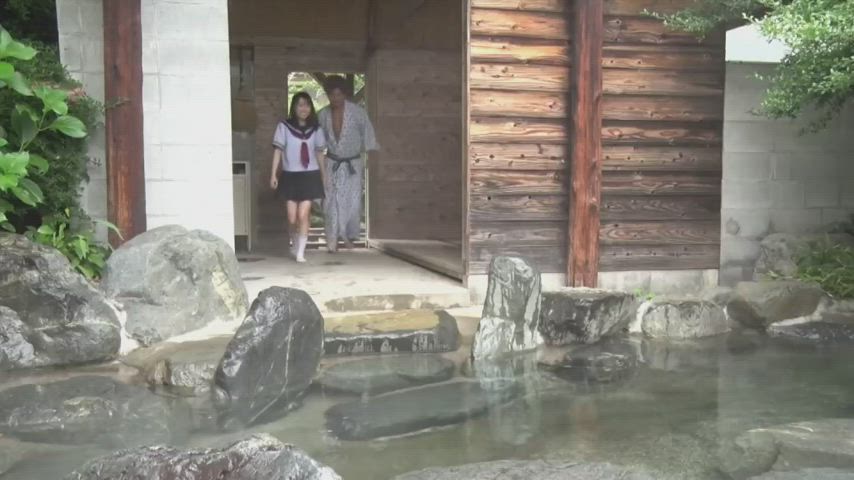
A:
[774,178]
[186,103]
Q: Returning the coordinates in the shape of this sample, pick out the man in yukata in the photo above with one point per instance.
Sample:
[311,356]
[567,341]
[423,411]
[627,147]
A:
[349,134]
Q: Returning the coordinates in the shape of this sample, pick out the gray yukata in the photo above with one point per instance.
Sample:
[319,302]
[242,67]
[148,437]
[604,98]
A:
[343,204]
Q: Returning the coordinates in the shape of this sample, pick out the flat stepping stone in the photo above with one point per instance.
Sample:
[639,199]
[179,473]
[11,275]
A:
[830,328]
[527,469]
[409,331]
[386,374]
[413,410]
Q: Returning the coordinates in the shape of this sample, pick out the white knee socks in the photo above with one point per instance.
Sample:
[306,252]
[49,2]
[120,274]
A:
[294,243]
[301,241]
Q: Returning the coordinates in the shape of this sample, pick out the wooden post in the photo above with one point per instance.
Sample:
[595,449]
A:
[586,143]
[123,118]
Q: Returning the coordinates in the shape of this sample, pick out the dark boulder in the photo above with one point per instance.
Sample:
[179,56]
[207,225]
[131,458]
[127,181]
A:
[260,457]
[606,362]
[53,315]
[511,314]
[271,360]
[584,315]
[172,281]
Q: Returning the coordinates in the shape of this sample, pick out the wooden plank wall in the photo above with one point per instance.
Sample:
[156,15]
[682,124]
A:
[416,179]
[518,95]
[662,126]
[415,100]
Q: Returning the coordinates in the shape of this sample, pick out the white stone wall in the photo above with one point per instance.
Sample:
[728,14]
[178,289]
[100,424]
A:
[775,180]
[187,107]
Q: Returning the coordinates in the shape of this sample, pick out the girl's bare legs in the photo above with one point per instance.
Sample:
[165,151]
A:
[303,213]
[293,226]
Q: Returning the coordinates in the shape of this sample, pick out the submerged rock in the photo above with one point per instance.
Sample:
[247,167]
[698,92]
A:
[527,470]
[54,316]
[412,410]
[422,331]
[185,368]
[385,374]
[778,252]
[683,318]
[828,329]
[511,314]
[817,444]
[271,360]
[759,304]
[171,281]
[260,457]
[86,409]
[809,474]
[607,362]
[584,315]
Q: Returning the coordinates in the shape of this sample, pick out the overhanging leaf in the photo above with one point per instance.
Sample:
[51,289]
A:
[35,190]
[14,163]
[20,84]
[6,71]
[23,126]
[53,100]
[69,126]
[39,163]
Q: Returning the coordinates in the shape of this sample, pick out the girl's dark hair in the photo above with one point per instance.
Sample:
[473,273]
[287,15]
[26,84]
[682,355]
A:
[311,121]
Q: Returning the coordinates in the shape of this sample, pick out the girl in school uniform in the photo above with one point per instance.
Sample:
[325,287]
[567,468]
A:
[299,173]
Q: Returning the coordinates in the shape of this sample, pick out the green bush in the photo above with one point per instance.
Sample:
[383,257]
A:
[830,265]
[68,157]
[37,127]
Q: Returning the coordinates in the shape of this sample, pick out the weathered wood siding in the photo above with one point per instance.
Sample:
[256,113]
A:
[414,96]
[662,116]
[415,181]
[517,166]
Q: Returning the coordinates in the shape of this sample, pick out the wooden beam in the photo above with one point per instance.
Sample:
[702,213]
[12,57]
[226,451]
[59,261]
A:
[123,118]
[586,144]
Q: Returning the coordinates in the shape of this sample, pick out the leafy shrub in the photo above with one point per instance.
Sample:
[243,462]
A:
[829,265]
[86,255]
[39,124]
[68,157]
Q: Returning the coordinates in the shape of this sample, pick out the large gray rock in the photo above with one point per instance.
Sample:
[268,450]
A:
[385,374]
[584,315]
[809,474]
[413,410]
[817,444]
[527,470]
[171,281]
[86,409]
[421,331]
[759,304]
[53,316]
[511,313]
[272,358]
[778,252]
[683,318]
[260,457]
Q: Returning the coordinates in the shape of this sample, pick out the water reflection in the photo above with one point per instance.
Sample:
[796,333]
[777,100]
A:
[678,413]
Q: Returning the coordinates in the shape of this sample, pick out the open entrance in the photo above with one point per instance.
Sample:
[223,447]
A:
[405,59]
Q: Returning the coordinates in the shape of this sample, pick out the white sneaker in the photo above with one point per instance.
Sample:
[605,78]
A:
[300,259]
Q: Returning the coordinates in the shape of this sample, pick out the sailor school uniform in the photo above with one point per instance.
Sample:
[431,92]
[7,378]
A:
[299,175]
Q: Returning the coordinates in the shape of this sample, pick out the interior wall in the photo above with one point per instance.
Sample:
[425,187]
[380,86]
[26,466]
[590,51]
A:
[415,100]
[412,53]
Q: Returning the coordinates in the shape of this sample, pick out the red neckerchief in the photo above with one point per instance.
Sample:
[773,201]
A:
[303,134]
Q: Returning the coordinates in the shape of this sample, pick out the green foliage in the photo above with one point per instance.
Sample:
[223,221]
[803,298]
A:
[30,19]
[829,265]
[644,295]
[818,72]
[67,155]
[86,255]
[38,112]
